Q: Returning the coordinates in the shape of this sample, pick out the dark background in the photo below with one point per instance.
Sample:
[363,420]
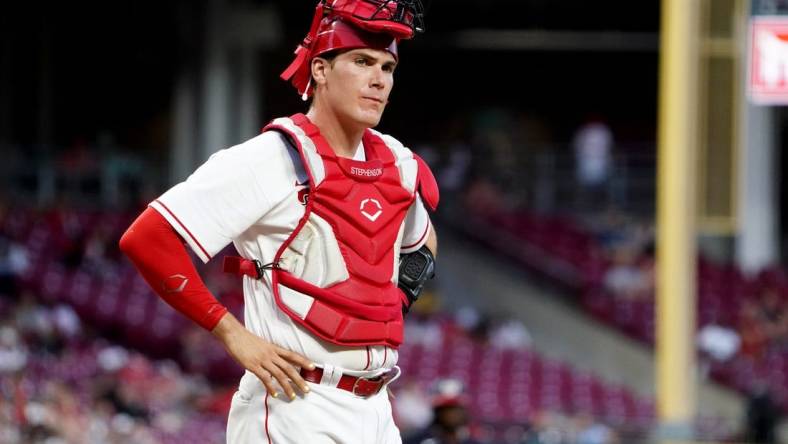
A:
[111,66]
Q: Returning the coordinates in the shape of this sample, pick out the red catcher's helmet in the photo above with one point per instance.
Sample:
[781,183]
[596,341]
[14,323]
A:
[349,24]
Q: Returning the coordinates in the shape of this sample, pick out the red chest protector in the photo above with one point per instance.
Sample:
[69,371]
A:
[336,273]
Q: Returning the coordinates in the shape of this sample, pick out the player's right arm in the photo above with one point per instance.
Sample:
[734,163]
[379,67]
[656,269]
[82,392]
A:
[161,258]
[218,202]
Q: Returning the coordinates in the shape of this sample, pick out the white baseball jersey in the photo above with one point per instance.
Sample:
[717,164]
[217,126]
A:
[252,195]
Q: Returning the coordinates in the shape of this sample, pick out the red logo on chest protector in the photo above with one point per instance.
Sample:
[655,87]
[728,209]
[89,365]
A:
[303,193]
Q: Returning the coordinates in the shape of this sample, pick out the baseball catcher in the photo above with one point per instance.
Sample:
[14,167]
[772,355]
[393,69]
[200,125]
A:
[330,219]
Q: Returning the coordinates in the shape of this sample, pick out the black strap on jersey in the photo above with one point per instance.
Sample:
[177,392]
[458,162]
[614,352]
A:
[415,269]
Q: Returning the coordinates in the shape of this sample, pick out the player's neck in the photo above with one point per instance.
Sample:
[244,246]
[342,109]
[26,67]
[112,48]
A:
[341,137]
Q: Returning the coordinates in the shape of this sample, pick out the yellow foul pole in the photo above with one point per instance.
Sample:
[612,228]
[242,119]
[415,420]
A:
[676,250]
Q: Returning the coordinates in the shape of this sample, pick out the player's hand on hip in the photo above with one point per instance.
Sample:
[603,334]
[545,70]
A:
[271,363]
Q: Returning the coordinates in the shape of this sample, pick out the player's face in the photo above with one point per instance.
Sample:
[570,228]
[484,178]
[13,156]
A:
[359,83]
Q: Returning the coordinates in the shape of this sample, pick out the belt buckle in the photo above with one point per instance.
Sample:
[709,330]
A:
[378,380]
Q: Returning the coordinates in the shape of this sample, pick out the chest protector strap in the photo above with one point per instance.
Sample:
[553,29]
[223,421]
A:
[336,274]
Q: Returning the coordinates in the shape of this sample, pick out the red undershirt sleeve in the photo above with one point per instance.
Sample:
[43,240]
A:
[161,258]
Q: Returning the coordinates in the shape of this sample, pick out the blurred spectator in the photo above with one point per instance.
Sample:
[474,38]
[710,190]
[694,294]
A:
[498,156]
[453,176]
[718,342]
[629,276]
[412,409]
[763,323]
[113,358]
[68,234]
[549,428]
[450,424]
[555,428]
[14,260]
[762,417]
[593,148]
[96,255]
[774,316]
[423,330]
[192,345]
[593,432]
[468,318]
[628,247]
[123,173]
[66,322]
[123,396]
[484,197]
[615,230]
[37,323]
[13,354]
[510,334]
[474,323]
[127,396]
[89,392]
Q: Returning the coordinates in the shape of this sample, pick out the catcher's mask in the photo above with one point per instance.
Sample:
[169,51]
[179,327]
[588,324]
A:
[350,24]
[400,18]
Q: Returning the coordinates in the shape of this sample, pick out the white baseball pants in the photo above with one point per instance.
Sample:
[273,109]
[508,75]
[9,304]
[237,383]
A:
[324,415]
